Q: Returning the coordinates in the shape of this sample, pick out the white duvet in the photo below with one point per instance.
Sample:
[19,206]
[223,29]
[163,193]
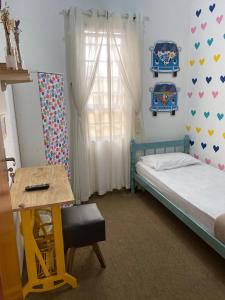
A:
[199,190]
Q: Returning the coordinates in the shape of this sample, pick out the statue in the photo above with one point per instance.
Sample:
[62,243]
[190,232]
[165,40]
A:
[8,26]
[16,32]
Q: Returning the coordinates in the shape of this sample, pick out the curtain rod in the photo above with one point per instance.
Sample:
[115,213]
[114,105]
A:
[103,14]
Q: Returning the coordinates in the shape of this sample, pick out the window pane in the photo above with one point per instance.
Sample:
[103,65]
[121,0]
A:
[105,104]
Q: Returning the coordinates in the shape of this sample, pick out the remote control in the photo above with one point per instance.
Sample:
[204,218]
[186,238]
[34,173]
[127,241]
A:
[37,187]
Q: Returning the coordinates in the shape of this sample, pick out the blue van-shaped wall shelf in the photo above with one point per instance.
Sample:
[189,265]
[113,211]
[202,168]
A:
[165,58]
[164,98]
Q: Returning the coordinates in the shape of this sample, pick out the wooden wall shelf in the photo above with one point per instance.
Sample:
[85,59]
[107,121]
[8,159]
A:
[8,76]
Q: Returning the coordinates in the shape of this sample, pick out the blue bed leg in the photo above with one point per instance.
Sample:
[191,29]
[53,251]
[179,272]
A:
[132,166]
[132,187]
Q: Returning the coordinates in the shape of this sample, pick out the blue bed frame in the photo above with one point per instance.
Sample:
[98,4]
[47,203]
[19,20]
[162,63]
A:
[180,145]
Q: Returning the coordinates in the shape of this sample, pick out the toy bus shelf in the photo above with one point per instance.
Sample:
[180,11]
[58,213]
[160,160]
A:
[28,203]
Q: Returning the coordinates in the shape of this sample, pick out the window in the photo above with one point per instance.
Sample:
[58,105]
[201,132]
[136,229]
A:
[106,102]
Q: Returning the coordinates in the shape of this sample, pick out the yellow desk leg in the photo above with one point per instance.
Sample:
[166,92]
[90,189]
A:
[59,247]
[32,253]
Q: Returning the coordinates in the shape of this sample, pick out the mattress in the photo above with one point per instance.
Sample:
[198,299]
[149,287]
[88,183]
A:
[198,190]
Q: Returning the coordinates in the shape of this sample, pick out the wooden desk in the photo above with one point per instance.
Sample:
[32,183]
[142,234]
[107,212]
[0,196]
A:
[27,203]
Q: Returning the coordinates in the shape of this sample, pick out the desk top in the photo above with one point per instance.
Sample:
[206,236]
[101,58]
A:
[59,191]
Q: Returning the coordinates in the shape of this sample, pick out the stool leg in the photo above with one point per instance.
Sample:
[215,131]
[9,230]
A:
[70,258]
[99,254]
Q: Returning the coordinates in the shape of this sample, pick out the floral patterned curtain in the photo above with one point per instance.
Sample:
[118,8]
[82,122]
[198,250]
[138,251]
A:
[55,130]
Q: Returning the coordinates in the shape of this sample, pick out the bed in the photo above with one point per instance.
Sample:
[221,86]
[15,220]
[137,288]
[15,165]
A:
[188,192]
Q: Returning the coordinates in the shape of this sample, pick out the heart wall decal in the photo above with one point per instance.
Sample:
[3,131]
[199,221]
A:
[208,161]
[216,148]
[188,127]
[212,7]
[193,112]
[216,57]
[203,145]
[206,114]
[215,94]
[210,41]
[201,61]
[221,167]
[220,116]
[198,12]
[222,78]
[219,19]
[210,132]
[201,94]
[208,79]
[194,80]
[193,29]
[197,45]
[203,26]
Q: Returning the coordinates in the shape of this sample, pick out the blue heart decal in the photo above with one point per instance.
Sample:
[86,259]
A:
[210,41]
[206,114]
[208,79]
[220,116]
[197,44]
[198,12]
[222,78]
[192,142]
[204,145]
[194,80]
[211,7]
[216,148]
[193,112]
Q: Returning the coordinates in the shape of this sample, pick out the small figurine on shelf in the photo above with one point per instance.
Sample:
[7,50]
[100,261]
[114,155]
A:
[16,32]
[8,27]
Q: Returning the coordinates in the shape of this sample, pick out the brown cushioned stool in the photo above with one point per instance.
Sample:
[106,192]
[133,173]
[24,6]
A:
[83,225]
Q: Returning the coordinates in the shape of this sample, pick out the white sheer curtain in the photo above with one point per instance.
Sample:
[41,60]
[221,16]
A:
[104,61]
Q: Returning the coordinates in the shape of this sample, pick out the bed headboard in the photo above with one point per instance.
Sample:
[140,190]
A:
[183,145]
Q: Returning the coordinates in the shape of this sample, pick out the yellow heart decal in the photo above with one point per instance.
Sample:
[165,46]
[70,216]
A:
[201,61]
[189,128]
[191,62]
[198,129]
[210,132]
[216,57]
[224,135]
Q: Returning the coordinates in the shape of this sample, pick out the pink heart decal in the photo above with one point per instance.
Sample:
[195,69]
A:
[221,167]
[203,25]
[196,156]
[219,19]
[189,94]
[201,94]
[208,161]
[193,29]
[215,94]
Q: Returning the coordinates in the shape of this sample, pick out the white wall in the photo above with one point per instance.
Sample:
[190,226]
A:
[43,49]
[169,20]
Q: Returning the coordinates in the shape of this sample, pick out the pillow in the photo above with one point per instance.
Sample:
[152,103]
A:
[166,161]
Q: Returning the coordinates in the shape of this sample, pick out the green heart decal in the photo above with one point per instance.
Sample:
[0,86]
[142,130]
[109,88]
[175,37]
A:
[197,44]
[210,41]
